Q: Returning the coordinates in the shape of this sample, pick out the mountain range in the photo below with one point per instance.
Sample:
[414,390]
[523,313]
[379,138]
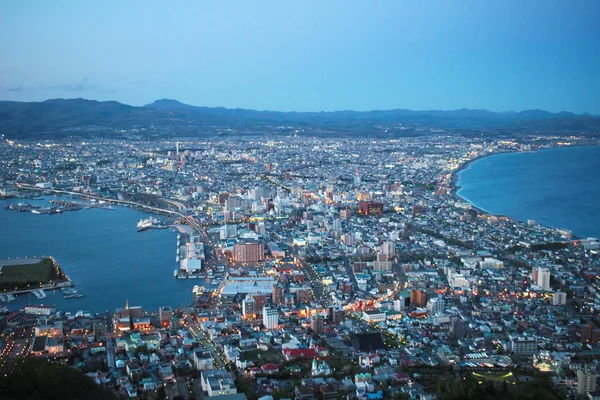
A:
[80,117]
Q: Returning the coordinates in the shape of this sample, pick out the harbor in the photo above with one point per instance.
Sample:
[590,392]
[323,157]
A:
[116,264]
[57,206]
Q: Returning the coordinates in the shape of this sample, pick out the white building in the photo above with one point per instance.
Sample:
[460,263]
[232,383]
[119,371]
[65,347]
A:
[218,382]
[523,345]
[373,316]
[586,381]
[388,248]
[543,278]
[436,305]
[270,317]
[559,299]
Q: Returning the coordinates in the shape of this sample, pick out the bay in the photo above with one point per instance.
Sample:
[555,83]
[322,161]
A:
[102,253]
[558,188]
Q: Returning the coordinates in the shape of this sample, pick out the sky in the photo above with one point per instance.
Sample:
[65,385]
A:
[306,55]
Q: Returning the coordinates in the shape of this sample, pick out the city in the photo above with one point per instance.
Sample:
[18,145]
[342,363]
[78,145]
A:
[326,268]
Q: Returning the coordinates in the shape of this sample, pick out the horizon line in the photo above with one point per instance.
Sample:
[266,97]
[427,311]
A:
[300,112]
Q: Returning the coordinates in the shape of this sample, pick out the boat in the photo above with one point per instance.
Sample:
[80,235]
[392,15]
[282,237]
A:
[39,293]
[11,297]
[175,272]
[146,223]
[34,211]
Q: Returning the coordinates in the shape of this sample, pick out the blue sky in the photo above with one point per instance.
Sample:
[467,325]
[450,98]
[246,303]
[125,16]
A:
[306,55]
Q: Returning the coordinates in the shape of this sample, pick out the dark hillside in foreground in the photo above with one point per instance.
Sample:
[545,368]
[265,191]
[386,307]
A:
[79,117]
[36,378]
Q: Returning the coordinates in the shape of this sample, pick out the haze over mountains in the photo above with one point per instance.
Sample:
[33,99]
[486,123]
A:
[80,117]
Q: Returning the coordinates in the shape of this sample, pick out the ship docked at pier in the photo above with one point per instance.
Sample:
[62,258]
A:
[147,223]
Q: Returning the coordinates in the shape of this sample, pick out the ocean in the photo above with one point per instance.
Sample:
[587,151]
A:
[102,253]
[558,188]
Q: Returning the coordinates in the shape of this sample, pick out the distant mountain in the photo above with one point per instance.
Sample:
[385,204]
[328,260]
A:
[78,117]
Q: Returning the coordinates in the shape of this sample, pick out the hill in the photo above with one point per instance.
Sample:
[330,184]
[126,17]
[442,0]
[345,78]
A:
[80,117]
[36,378]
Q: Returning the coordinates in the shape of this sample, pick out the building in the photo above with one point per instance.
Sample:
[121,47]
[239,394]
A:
[590,334]
[165,315]
[39,310]
[373,316]
[277,295]
[345,213]
[559,299]
[523,345]
[349,239]
[337,224]
[418,298]
[248,252]
[316,323]
[436,305]
[217,382]
[586,381]
[270,317]
[388,248]
[303,296]
[320,369]
[367,208]
[202,360]
[543,278]
[249,307]
[457,328]
[336,315]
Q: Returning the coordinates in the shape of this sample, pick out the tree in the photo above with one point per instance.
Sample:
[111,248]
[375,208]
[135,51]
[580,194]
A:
[162,395]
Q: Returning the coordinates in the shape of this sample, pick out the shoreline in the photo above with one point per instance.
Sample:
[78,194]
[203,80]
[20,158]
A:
[454,186]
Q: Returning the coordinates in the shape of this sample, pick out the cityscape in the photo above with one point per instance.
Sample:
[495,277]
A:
[301,200]
[325,267]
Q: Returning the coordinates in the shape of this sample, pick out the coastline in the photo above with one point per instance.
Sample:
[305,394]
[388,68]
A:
[454,185]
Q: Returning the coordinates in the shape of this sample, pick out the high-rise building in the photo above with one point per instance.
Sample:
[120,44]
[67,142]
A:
[316,323]
[349,239]
[337,224]
[345,213]
[277,294]
[436,305]
[523,345]
[543,278]
[388,248]
[457,328]
[270,317]
[257,194]
[418,298]
[165,315]
[260,300]
[586,381]
[248,252]
[559,299]
[249,307]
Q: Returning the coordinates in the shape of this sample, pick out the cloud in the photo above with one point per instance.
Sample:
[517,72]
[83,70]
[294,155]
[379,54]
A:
[110,91]
[13,89]
[80,86]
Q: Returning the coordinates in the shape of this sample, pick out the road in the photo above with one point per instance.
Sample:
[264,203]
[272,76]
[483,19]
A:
[110,354]
[314,278]
[187,219]
[219,361]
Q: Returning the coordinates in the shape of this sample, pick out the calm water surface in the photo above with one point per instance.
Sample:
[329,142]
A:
[103,254]
[559,188]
